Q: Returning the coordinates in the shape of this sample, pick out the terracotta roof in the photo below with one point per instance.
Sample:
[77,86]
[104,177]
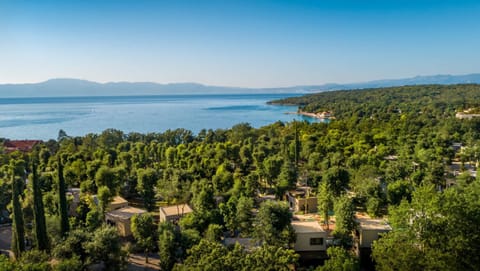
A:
[20,145]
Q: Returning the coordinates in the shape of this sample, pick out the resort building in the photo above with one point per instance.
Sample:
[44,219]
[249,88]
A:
[300,200]
[466,115]
[117,203]
[369,229]
[310,239]
[121,219]
[174,213]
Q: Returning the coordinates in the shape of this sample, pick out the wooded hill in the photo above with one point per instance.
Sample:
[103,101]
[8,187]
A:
[390,152]
[438,100]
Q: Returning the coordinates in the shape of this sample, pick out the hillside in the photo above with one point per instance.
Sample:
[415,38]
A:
[433,99]
[76,87]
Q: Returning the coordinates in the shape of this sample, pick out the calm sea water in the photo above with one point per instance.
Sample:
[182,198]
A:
[42,118]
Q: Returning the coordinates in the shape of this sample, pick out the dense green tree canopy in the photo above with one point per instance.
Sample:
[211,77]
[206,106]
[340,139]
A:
[393,151]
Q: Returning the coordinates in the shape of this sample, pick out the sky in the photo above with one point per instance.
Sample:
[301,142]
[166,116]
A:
[240,43]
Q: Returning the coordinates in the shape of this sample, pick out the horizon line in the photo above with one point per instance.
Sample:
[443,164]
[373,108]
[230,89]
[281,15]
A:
[225,86]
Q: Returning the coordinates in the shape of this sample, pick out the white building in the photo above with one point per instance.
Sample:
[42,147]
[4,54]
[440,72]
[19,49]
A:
[310,236]
[369,229]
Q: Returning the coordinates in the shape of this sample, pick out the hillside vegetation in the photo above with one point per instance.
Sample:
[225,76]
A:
[432,100]
[397,153]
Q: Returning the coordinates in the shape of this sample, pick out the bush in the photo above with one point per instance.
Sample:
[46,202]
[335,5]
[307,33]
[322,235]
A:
[72,264]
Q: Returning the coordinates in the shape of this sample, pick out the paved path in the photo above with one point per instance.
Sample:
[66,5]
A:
[5,238]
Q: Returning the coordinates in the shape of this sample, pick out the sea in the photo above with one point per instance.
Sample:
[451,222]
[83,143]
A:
[42,118]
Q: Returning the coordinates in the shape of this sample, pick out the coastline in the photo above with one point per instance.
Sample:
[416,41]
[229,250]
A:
[321,116]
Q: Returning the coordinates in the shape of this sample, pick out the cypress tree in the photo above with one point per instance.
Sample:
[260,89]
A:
[62,199]
[38,212]
[18,238]
[297,145]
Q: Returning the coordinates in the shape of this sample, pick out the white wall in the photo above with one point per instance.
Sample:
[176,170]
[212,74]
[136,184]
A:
[303,241]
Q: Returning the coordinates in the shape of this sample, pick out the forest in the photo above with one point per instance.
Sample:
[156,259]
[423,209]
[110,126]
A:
[389,152]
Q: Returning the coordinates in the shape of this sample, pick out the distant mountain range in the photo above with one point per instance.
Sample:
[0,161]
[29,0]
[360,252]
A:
[76,87]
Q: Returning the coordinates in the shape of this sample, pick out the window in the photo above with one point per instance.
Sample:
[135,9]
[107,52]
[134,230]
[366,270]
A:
[316,241]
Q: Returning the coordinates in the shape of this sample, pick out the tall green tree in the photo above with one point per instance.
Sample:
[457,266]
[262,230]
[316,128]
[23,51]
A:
[297,144]
[105,197]
[344,215]
[41,236]
[18,227]
[271,168]
[207,255]
[142,229]
[62,198]
[435,231]
[286,179]
[106,247]
[325,202]
[337,179]
[167,246]
[339,260]
[271,258]
[244,215]
[273,224]
[147,178]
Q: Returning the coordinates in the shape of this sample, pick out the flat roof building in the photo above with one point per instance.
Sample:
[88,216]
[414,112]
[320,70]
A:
[117,203]
[121,219]
[369,229]
[174,213]
[310,236]
[300,200]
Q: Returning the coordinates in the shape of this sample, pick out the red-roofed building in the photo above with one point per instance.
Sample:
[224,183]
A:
[20,145]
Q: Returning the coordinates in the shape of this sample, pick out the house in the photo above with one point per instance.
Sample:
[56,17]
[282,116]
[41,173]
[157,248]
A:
[174,213]
[466,115]
[369,229]
[117,203]
[20,145]
[121,219]
[310,237]
[300,200]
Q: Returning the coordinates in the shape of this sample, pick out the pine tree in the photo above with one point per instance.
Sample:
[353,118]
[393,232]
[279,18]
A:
[62,199]
[39,212]
[18,238]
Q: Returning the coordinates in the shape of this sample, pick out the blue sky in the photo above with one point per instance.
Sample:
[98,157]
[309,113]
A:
[237,43]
